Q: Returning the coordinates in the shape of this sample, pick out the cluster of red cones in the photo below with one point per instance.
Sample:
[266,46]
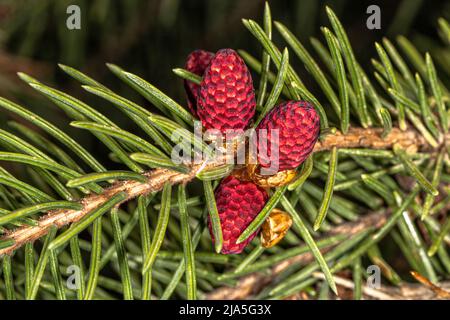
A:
[225,99]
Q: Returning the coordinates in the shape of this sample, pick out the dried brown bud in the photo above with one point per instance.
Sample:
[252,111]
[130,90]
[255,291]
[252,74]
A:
[279,179]
[275,228]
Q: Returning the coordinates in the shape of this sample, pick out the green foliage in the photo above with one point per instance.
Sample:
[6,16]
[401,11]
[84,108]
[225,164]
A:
[157,246]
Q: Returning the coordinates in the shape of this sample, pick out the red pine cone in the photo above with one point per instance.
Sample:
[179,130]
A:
[226,97]
[299,127]
[238,203]
[196,62]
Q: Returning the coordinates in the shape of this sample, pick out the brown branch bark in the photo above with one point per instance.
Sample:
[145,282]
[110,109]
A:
[405,291]
[251,284]
[356,137]
[371,138]
[60,218]
[412,291]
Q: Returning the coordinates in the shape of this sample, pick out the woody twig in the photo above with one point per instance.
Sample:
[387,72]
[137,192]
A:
[355,138]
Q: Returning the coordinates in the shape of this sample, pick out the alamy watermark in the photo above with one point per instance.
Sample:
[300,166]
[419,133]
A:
[73,282]
[373,277]
[374,20]
[235,146]
[73,21]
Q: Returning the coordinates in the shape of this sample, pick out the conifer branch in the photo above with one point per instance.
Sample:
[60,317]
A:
[355,138]
[250,285]
[372,138]
[358,193]
[403,292]
[60,218]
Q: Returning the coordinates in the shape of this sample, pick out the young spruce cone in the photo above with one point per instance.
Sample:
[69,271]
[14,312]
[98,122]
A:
[238,203]
[196,62]
[299,127]
[226,98]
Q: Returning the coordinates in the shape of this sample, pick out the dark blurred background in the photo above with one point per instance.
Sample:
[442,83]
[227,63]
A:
[151,37]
